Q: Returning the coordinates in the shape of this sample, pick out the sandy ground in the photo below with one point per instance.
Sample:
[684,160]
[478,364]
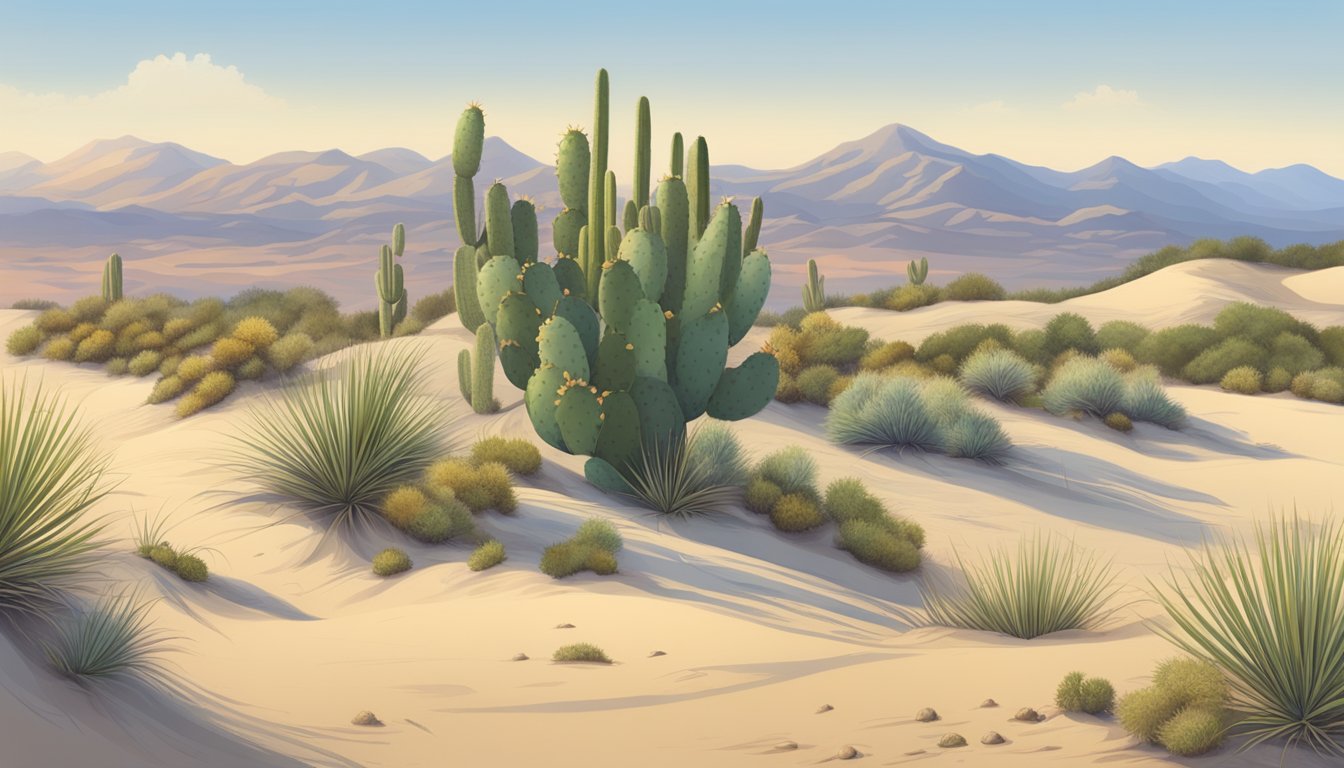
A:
[760,629]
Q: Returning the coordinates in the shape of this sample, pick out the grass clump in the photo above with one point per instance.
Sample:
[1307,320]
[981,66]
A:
[973,286]
[792,469]
[391,561]
[24,341]
[1085,385]
[337,445]
[1244,380]
[1092,695]
[883,411]
[1001,374]
[479,487]
[405,505]
[1183,710]
[675,477]
[580,653]
[1048,586]
[715,447]
[761,495]
[1271,620]
[1119,422]
[592,548]
[487,556]
[110,640]
[796,512]
[518,455]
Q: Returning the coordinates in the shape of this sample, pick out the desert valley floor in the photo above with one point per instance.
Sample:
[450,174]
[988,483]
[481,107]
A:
[293,635]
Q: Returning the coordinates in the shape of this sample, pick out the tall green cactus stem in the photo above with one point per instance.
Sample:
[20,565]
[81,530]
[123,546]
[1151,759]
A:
[917,272]
[464,288]
[697,186]
[814,290]
[678,156]
[753,233]
[610,203]
[597,176]
[476,372]
[523,221]
[398,248]
[643,152]
[469,141]
[630,216]
[571,169]
[674,211]
[112,285]
[390,285]
[498,221]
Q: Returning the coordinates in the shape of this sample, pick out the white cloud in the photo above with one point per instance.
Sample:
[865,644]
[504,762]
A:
[1104,97]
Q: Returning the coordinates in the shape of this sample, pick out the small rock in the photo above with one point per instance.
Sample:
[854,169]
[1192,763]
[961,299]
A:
[847,752]
[787,745]
[952,741]
[520,657]
[1028,715]
[564,626]
[824,708]
[656,654]
[366,718]
[988,704]
[992,737]
[926,715]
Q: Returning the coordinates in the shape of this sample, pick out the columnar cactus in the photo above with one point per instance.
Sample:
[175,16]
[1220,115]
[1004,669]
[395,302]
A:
[917,272]
[390,283]
[814,290]
[624,338]
[476,372]
[112,279]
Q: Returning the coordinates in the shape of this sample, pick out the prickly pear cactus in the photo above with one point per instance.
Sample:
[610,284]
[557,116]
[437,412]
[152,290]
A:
[624,338]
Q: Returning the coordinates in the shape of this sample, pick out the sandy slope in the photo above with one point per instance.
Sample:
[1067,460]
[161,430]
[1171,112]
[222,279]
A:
[760,629]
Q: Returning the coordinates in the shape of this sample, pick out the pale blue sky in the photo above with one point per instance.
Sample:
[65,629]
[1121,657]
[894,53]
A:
[771,84]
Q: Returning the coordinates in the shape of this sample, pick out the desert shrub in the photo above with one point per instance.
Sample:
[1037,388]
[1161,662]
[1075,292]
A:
[34,304]
[51,476]
[787,390]
[480,487]
[24,341]
[1192,732]
[88,309]
[251,370]
[814,383]
[122,313]
[97,348]
[1327,390]
[599,533]
[487,556]
[959,342]
[1277,380]
[1070,331]
[762,495]
[1000,374]
[113,639]
[338,445]
[229,352]
[403,505]
[195,368]
[1212,365]
[976,435]
[792,469]
[1092,695]
[668,479]
[1294,354]
[873,544]
[59,348]
[1049,586]
[55,321]
[1119,422]
[520,456]
[973,286]
[117,366]
[1259,325]
[127,340]
[1146,400]
[1118,359]
[210,390]
[391,561]
[81,332]
[1085,385]
[909,297]
[164,556]
[796,512]
[592,548]
[601,562]
[434,306]
[201,336]
[169,365]
[1332,344]
[823,341]
[785,342]
[166,389]
[876,410]
[442,521]
[1269,616]
[847,500]
[289,351]
[1171,349]
[176,328]
[1121,334]
[189,567]
[1030,345]
[1242,379]
[715,447]
[1301,385]
[563,559]
[145,363]
[886,355]
[256,331]
[581,652]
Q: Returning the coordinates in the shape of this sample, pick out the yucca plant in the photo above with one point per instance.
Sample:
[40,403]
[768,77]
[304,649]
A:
[112,639]
[1272,619]
[337,445]
[1049,586]
[50,476]
[669,479]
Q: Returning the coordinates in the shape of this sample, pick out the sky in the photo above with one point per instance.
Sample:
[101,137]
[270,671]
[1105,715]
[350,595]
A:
[771,85]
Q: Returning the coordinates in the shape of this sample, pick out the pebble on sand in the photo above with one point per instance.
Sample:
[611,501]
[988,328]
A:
[824,708]
[656,654]
[366,718]
[991,738]
[520,657]
[564,626]
[988,703]
[952,741]
[1028,715]
[847,752]
[787,745]
[926,715]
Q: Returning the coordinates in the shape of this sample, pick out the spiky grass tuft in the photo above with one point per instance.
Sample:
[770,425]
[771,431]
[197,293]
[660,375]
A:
[110,640]
[668,480]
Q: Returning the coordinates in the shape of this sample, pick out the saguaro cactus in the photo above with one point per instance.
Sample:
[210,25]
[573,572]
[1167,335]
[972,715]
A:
[814,290]
[917,272]
[390,283]
[619,345]
[112,279]
[476,372]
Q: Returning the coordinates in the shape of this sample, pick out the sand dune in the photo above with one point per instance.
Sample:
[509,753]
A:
[759,628]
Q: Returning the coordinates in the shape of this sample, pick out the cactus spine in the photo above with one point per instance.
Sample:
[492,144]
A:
[112,279]
[390,284]
[476,372]
[814,290]
[917,272]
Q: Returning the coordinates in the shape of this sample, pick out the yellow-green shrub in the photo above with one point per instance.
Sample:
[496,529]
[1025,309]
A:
[520,456]
[256,331]
[59,348]
[230,352]
[194,368]
[796,512]
[145,363]
[390,562]
[403,505]
[1242,379]
[117,366]
[251,370]
[81,332]
[886,355]
[487,556]
[55,320]
[289,351]
[166,389]
[210,390]
[97,348]
[24,341]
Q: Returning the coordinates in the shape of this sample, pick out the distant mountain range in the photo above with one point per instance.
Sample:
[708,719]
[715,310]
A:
[191,223]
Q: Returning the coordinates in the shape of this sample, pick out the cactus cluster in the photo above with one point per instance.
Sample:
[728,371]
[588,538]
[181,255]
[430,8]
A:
[391,284]
[624,338]
[814,290]
[476,372]
[917,271]
[112,279]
